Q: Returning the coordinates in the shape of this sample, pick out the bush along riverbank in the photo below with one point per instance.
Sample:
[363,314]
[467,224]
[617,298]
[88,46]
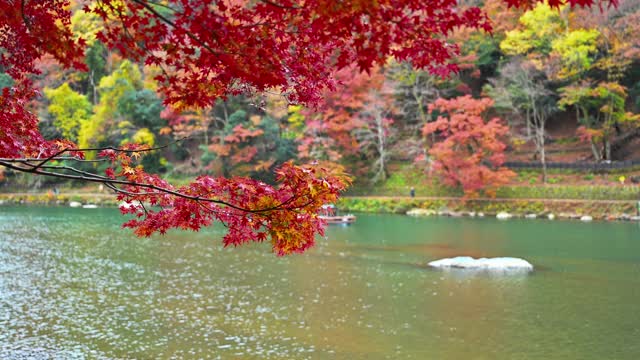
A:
[530,208]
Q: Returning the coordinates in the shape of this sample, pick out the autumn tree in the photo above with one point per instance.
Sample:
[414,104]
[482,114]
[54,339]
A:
[376,116]
[470,152]
[206,50]
[601,111]
[522,89]
[414,89]
[329,126]
[69,108]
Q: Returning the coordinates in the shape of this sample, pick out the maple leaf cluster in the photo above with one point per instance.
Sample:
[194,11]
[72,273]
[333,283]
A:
[250,209]
[27,33]
[213,48]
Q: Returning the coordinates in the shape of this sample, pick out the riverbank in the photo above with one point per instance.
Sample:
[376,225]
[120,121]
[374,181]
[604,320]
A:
[62,199]
[597,209]
[610,210]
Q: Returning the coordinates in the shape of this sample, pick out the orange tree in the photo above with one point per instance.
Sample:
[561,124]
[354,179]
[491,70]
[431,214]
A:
[470,154]
[205,50]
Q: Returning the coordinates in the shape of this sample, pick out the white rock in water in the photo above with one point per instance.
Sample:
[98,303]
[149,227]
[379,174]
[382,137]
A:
[480,214]
[503,216]
[551,216]
[90,206]
[499,263]
[530,216]
[421,212]
[586,218]
[75,204]
[133,204]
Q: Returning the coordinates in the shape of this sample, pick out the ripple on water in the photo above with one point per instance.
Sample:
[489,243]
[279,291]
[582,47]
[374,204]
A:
[73,286]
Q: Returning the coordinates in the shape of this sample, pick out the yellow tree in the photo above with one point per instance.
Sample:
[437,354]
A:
[69,108]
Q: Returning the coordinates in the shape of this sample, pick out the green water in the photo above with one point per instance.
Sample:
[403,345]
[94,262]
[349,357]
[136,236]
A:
[73,285]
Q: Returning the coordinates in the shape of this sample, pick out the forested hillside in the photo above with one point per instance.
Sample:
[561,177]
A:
[546,85]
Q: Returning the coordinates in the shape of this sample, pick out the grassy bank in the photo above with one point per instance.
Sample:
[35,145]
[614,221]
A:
[528,185]
[598,209]
[60,199]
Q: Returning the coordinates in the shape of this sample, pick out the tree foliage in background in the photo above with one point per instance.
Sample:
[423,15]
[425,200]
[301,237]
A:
[470,152]
[69,108]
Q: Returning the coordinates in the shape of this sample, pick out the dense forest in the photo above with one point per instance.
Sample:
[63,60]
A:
[566,80]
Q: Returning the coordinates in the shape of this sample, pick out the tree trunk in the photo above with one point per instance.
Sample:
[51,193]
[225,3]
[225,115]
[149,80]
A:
[596,154]
[381,136]
[94,88]
[607,149]
[528,121]
[541,151]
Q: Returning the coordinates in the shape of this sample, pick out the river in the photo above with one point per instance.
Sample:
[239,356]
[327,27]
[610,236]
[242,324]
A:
[74,285]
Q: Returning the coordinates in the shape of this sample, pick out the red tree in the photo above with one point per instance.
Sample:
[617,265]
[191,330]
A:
[329,127]
[208,49]
[471,153]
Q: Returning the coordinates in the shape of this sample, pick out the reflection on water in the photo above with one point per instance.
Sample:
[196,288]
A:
[73,285]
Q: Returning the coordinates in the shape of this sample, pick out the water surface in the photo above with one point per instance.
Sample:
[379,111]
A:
[74,285]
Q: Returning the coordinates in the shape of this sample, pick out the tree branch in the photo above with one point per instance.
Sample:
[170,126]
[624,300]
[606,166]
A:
[111,183]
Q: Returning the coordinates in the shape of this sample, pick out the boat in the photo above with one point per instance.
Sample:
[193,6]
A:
[328,213]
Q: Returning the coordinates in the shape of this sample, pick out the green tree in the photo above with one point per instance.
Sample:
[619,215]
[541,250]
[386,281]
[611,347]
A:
[576,50]
[601,111]
[545,38]
[112,88]
[142,108]
[539,27]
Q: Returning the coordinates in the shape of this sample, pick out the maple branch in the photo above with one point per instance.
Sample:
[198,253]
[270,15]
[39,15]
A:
[130,150]
[162,5]
[111,183]
[59,158]
[280,5]
[49,159]
[173,25]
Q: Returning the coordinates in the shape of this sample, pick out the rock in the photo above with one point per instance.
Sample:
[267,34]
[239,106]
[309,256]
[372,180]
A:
[551,216]
[90,206]
[586,218]
[480,214]
[412,212]
[75,204]
[489,264]
[472,214]
[635,218]
[530,216]
[503,216]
